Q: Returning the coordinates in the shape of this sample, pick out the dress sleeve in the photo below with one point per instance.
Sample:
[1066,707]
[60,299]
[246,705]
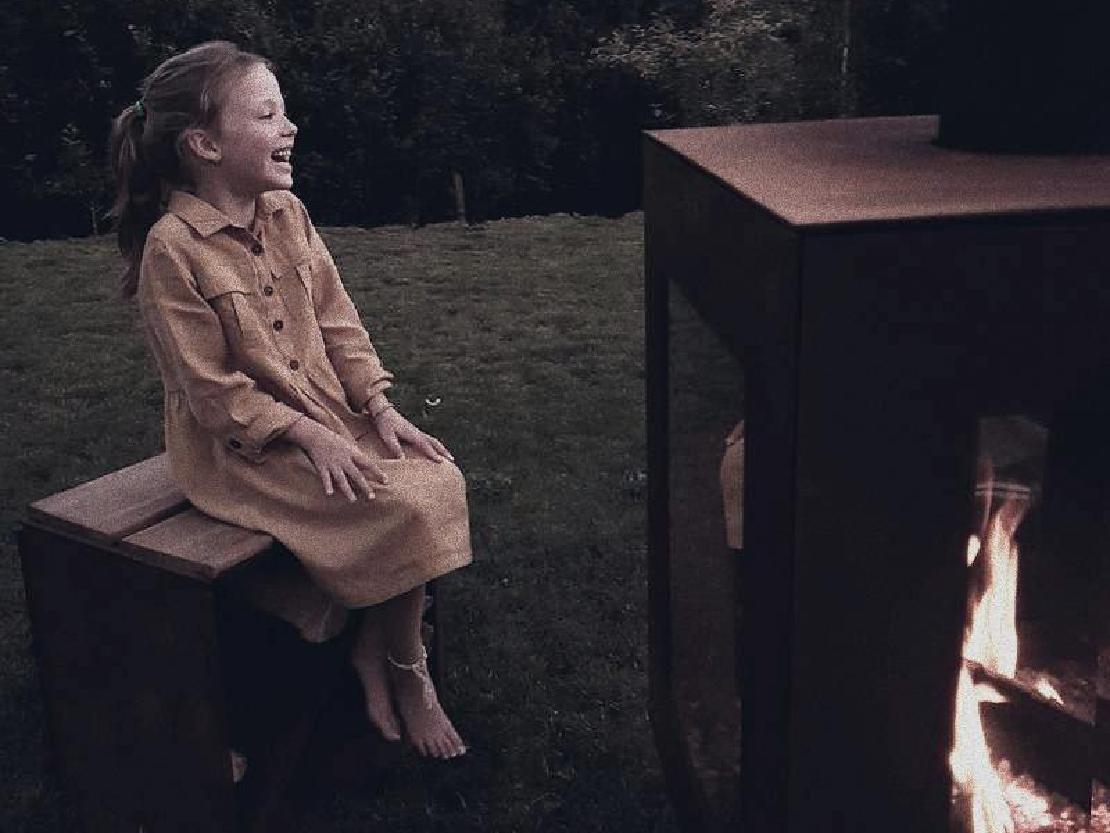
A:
[346,341]
[224,400]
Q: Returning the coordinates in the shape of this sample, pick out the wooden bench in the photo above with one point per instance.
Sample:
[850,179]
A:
[153,666]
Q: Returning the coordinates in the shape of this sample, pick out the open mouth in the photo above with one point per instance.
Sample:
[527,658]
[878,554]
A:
[283,155]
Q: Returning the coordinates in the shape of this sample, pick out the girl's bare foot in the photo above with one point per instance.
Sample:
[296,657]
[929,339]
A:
[368,658]
[428,728]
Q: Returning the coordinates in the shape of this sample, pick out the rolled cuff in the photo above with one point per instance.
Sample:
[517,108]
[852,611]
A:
[251,440]
[376,404]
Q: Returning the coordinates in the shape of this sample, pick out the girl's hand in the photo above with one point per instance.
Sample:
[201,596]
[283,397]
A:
[393,428]
[339,461]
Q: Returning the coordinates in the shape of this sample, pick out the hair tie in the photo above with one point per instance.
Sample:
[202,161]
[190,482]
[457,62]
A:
[140,108]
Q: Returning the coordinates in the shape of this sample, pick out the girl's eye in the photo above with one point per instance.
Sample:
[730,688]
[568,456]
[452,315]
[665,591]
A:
[267,116]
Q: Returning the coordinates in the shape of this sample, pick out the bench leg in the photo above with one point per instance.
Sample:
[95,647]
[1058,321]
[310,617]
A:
[129,665]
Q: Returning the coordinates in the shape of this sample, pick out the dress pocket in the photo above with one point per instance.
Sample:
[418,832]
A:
[297,281]
[304,274]
[235,299]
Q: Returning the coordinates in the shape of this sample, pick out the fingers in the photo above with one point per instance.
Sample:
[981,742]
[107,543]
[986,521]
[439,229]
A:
[360,482]
[441,448]
[367,464]
[394,446]
[347,477]
[344,480]
[391,439]
[429,450]
[352,471]
[432,448]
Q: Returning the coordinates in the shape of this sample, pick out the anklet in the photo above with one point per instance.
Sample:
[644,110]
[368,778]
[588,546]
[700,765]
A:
[420,669]
[409,666]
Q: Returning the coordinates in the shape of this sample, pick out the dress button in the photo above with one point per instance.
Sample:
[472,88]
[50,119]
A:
[278,325]
[234,443]
[294,364]
[256,249]
[267,290]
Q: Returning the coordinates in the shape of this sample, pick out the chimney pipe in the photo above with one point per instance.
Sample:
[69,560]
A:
[1026,77]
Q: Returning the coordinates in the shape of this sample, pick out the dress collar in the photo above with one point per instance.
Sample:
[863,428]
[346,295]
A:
[206,219]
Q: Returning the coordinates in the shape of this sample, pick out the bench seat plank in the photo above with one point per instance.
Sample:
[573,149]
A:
[196,545]
[115,505]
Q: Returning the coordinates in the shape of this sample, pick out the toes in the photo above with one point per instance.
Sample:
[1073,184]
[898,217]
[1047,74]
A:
[449,747]
[445,750]
[437,752]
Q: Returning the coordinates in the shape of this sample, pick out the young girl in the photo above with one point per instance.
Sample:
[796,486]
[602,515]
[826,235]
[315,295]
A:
[276,416]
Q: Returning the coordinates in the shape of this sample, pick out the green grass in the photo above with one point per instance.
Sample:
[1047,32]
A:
[529,331]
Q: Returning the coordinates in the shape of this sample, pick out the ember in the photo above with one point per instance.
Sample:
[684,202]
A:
[1035,810]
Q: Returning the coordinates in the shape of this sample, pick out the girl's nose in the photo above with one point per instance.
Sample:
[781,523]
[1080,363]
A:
[290,128]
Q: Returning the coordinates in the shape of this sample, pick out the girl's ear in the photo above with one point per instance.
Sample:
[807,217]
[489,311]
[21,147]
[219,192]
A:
[201,145]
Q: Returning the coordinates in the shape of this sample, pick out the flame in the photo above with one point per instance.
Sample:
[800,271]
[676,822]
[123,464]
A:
[990,640]
[971,764]
[974,546]
[1033,806]
[1047,690]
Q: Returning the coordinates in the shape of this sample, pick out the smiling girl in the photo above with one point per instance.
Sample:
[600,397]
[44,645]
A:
[276,415]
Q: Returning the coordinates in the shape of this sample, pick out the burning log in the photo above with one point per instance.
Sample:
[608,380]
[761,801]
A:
[1038,736]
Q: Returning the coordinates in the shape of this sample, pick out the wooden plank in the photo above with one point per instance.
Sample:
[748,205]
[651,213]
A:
[1039,737]
[113,506]
[196,545]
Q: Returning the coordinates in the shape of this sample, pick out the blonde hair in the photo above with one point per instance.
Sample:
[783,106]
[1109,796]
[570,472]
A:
[147,151]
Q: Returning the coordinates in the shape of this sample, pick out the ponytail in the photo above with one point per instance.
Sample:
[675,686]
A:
[139,197]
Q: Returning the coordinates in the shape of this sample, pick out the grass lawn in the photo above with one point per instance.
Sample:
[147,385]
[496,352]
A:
[529,332]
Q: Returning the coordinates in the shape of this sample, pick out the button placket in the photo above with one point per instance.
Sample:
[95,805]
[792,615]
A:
[274,305]
[279,314]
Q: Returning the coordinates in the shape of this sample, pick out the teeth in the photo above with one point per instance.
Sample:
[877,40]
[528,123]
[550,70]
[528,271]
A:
[282,155]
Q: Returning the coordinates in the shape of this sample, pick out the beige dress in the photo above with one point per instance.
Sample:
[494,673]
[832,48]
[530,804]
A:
[251,329]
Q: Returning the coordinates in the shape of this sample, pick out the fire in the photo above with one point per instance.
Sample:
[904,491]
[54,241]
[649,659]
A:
[1047,690]
[971,763]
[990,640]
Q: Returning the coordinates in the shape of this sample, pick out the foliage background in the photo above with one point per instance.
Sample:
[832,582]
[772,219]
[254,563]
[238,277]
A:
[537,106]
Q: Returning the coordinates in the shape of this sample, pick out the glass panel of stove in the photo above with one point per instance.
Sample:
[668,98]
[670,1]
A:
[706,463]
[1026,751]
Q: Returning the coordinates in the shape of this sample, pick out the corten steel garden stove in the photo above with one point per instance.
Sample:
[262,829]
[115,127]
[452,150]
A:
[918,341]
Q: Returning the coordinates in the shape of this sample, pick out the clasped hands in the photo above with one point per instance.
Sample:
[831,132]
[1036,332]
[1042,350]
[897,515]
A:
[342,464]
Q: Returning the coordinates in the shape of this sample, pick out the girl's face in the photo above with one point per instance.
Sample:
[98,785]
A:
[254,136]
